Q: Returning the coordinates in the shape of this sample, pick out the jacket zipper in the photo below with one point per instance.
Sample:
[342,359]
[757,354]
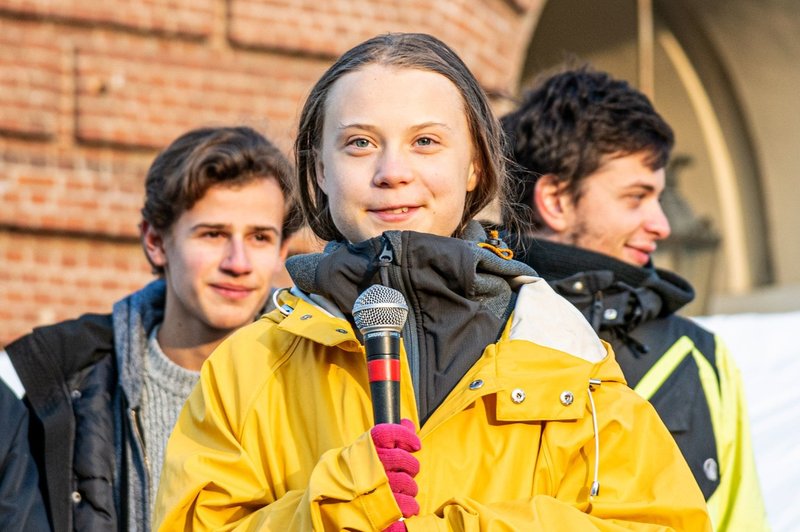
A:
[410,339]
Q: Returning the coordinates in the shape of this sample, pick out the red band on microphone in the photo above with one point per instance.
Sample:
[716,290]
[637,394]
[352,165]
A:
[384,369]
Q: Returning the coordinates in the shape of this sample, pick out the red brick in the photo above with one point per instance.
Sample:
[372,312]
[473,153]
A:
[187,17]
[329,28]
[216,90]
[15,297]
[67,197]
[65,287]
[30,77]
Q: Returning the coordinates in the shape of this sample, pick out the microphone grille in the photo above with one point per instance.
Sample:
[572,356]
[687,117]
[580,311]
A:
[380,306]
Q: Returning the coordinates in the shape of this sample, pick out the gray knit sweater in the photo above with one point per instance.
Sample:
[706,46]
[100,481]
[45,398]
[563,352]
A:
[166,387]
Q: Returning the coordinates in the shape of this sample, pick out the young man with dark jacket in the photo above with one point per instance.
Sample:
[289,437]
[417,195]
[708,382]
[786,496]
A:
[105,390]
[591,153]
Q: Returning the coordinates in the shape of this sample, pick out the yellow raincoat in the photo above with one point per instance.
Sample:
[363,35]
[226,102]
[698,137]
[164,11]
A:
[276,436]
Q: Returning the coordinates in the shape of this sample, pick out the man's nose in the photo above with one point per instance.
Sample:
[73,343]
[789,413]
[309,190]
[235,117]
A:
[657,223]
[237,259]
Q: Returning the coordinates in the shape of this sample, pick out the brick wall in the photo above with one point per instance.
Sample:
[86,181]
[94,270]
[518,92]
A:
[91,89]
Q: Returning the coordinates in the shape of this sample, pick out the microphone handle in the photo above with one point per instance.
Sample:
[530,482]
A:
[383,365]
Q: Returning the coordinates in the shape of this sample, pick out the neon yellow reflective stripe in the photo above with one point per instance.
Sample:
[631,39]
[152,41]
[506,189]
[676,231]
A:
[662,369]
[710,383]
[722,507]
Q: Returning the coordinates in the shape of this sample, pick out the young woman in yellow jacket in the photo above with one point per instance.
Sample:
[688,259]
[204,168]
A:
[520,418]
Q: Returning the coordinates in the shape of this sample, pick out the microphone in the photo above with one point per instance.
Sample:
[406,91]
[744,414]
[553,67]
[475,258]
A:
[380,313]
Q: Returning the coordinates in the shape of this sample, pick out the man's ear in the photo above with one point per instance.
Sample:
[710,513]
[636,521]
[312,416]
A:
[552,202]
[153,244]
[284,250]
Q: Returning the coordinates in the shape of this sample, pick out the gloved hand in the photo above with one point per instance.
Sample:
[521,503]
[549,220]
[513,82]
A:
[397,526]
[394,444]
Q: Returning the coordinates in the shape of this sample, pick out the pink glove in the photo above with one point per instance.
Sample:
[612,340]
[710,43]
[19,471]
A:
[394,444]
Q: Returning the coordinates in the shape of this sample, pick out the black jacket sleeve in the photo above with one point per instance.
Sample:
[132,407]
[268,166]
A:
[21,504]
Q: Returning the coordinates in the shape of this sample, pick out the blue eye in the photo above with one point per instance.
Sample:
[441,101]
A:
[360,143]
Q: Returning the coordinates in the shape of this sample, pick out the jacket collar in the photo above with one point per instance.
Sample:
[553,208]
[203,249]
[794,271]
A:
[309,319]
[453,267]
[458,291]
[555,262]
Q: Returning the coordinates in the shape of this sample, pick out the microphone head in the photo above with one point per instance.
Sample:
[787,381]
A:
[380,307]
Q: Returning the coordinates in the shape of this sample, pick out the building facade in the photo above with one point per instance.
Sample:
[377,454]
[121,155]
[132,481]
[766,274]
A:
[91,90]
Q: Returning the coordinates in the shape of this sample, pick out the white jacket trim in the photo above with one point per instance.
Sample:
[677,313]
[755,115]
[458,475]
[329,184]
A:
[543,317]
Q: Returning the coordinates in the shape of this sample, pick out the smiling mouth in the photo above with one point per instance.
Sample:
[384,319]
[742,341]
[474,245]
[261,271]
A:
[394,214]
[232,292]
[642,255]
[647,250]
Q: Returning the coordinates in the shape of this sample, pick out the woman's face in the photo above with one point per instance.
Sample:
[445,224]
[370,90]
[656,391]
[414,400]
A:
[396,153]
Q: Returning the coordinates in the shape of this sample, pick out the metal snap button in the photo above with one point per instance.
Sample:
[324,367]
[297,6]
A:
[342,331]
[76,497]
[711,469]
[566,398]
[577,286]
[518,395]
[75,394]
[305,316]
[474,385]
[610,314]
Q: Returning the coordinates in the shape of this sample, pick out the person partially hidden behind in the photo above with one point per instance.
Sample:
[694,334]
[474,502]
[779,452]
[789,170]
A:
[514,414]
[105,390]
[591,153]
